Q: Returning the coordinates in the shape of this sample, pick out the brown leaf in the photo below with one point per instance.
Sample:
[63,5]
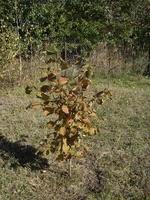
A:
[73,130]
[72,140]
[108,93]
[70,121]
[105,92]
[99,94]
[45,88]
[46,103]
[65,109]
[85,108]
[60,157]
[79,125]
[87,121]
[93,114]
[78,116]
[28,90]
[48,110]
[46,113]
[83,82]
[99,101]
[89,130]
[62,80]
[63,64]
[76,88]
[44,97]
[51,76]
[33,105]
[50,124]
[43,79]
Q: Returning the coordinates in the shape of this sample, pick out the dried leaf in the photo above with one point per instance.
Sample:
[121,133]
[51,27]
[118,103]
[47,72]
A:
[70,121]
[45,88]
[44,97]
[50,124]
[65,109]
[87,121]
[65,147]
[79,154]
[85,84]
[99,94]
[43,79]
[73,130]
[62,80]
[33,105]
[51,76]
[46,113]
[63,64]
[60,157]
[92,131]
[99,101]
[28,90]
[48,109]
[63,131]
[93,114]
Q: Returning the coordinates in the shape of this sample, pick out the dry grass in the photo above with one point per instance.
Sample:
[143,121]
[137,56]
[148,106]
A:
[118,61]
[116,168]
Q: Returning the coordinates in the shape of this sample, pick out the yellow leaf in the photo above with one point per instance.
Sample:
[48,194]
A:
[93,114]
[79,154]
[65,147]
[92,131]
[79,125]
[63,131]
[62,80]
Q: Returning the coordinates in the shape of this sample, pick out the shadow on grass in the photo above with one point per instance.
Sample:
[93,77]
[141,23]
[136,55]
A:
[21,155]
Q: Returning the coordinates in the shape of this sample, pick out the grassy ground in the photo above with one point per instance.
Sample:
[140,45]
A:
[117,166]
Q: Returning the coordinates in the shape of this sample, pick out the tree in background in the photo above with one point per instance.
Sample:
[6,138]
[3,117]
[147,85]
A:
[75,25]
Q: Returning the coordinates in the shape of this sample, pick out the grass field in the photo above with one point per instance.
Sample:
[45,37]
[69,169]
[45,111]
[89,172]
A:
[117,166]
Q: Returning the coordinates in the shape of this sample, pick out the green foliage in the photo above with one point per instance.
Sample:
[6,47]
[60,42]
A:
[78,23]
[9,45]
[69,107]
[73,27]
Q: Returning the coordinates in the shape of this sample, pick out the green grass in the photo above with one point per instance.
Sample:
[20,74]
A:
[117,166]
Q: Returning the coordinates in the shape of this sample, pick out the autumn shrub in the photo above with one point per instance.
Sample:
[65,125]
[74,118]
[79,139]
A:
[69,106]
